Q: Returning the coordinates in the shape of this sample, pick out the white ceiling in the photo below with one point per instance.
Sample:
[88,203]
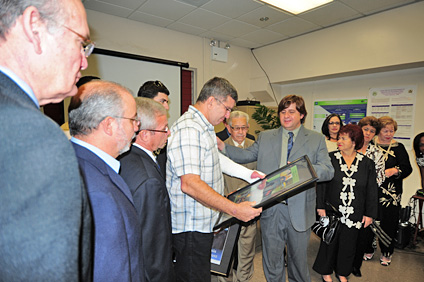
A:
[238,21]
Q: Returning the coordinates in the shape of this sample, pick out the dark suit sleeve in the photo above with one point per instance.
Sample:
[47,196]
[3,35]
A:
[154,213]
[109,226]
[242,156]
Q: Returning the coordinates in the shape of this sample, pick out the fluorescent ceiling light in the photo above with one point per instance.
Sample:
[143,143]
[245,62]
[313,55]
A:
[295,6]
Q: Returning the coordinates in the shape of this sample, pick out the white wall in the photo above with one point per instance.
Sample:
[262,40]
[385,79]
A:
[118,34]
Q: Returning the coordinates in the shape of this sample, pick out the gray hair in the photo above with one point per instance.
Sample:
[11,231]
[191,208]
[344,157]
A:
[51,10]
[100,101]
[237,114]
[147,111]
[217,87]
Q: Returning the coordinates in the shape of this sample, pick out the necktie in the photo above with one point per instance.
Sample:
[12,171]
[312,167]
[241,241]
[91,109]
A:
[240,146]
[289,144]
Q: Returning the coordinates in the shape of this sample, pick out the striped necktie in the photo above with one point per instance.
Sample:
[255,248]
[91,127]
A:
[289,144]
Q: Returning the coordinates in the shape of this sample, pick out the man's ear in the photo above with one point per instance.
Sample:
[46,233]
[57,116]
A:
[108,125]
[33,26]
[209,102]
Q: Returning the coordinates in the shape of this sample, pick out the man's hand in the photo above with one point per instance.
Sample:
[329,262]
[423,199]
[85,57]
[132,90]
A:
[245,212]
[257,174]
[221,145]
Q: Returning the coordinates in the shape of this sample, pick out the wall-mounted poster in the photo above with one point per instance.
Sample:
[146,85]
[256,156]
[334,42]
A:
[351,111]
[398,103]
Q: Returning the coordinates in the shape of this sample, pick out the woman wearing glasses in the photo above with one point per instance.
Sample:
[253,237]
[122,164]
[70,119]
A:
[397,167]
[330,128]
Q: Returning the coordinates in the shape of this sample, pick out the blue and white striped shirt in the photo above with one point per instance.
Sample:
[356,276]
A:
[192,149]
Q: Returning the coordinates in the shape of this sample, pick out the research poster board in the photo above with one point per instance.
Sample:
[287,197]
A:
[351,111]
[398,103]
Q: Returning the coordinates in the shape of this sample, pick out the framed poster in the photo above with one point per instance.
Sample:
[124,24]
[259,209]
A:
[223,246]
[276,186]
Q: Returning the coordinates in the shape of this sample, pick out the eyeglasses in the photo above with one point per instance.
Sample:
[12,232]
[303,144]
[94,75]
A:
[157,130]
[87,44]
[238,128]
[334,123]
[228,109]
[134,120]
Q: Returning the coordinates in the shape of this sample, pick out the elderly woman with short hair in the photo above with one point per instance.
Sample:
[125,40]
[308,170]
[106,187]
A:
[353,193]
[397,167]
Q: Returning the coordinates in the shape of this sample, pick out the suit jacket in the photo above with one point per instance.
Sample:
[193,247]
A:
[267,151]
[234,183]
[224,134]
[117,250]
[148,187]
[45,219]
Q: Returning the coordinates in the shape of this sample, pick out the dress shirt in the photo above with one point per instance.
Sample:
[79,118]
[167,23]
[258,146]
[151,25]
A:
[285,143]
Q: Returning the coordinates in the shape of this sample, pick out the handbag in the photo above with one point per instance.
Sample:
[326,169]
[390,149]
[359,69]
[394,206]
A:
[326,226]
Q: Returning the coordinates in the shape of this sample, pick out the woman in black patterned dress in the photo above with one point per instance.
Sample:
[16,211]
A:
[353,192]
[397,167]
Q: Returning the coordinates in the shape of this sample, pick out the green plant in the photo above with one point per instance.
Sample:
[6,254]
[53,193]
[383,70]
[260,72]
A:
[266,118]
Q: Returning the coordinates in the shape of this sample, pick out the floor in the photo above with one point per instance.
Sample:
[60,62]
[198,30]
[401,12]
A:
[407,265]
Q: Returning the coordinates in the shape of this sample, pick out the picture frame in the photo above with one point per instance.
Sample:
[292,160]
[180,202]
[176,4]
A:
[223,248]
[276,186]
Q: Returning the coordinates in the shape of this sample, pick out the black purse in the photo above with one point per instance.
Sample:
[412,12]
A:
[326,226]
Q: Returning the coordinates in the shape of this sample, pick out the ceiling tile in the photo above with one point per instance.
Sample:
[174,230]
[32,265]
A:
[263,36]
[186,28]
[368,7]
[197,3]
[293,27]
[273,15]
[108,8]
[235,28]
[209,19]
[330,14]
[233,8]
[167,9]
[150,19]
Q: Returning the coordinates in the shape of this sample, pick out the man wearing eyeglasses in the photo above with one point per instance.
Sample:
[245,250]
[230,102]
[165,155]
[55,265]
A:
[238,125]
[157,91]
[102,128]
[140,170]
[195,182]
[45,219]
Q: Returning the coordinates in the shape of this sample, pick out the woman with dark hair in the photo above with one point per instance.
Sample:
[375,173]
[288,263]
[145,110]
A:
[365,249]
[330,128]
[397,167]
[353,193]
[419,154]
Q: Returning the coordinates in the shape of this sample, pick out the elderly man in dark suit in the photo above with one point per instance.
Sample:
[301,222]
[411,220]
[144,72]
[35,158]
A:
[45,219]
[139,168]
[102,128]
[287,223]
